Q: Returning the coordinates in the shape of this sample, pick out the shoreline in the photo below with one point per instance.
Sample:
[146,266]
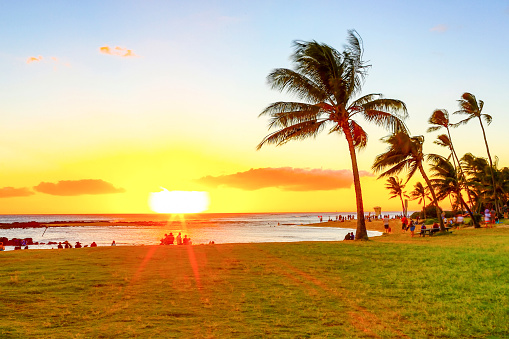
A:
[375,225]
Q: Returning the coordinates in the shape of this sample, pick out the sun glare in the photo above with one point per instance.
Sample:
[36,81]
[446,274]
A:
[178,201]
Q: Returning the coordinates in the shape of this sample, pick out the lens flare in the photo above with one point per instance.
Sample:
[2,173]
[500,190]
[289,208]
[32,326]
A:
[178,201]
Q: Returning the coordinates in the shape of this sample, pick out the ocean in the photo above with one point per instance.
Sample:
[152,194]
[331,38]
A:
[149,229]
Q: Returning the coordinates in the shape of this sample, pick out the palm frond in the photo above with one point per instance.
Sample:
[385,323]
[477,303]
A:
[433,128]
[298,131]
[360,137]
[284,114]
[284,79]
[386,120]
[462,122]
[487,118]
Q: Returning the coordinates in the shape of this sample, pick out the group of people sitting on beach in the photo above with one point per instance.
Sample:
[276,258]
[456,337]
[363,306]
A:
[66,244]
[169,239]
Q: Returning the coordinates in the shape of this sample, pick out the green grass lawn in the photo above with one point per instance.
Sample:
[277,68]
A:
[451,286]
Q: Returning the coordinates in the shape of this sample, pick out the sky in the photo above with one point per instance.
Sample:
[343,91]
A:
[103,103]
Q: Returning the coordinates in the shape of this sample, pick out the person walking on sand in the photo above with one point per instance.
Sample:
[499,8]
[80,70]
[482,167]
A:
[179,239]
[404,224]
[487,217]
[412,228]
[386,224]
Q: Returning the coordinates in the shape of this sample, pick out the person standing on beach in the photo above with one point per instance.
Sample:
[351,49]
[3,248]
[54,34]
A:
[404,223]
[494,217]
[386,224]
[179,239]
[412,228]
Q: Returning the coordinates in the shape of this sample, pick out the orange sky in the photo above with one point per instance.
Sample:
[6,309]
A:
[99,107]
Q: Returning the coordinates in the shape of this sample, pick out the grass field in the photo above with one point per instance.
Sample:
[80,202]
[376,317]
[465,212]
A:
[451,286]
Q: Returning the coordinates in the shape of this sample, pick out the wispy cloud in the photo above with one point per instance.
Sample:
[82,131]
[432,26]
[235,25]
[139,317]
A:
[11,192]
[441,28]
[285,178]
[34,59]
[51,60]
[117,51]
[77,187]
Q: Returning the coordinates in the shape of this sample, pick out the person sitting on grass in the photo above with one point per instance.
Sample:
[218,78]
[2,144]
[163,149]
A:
[347,237]
[2,247]
[60,246]
[93,244]
[352,236]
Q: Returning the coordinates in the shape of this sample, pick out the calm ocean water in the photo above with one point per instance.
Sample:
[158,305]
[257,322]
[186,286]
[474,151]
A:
[201,228]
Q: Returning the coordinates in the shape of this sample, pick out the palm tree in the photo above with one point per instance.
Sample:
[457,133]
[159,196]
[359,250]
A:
[405,153]
[420,192]
[476,169]
[443,140]
[440,119]
[446,182]
[473,109]
[396,186]
[327,82]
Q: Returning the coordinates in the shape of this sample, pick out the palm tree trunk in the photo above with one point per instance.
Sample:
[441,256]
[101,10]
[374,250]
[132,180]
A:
[435,200]
[361,233]
[463,178]
[402,205]
[476,223]
[491,163]
[424,200]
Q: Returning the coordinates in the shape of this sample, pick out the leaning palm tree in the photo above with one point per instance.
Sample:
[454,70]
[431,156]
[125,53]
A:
[476,169]
[420,192]
[440,119]
[327,82]
[473,109]
[444,141]
[405,153]
[446,182]
[396,186]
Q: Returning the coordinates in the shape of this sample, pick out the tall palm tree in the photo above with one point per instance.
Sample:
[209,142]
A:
[446,182]
[473,109]
[476,169]
[405,153]
[327,82]
[420,192]
[396,186]
[440,119]
[444,141]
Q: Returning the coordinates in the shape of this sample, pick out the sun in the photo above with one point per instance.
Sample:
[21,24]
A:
[178,201]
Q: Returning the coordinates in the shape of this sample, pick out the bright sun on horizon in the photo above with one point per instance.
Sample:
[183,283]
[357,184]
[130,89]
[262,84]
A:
[178,201]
